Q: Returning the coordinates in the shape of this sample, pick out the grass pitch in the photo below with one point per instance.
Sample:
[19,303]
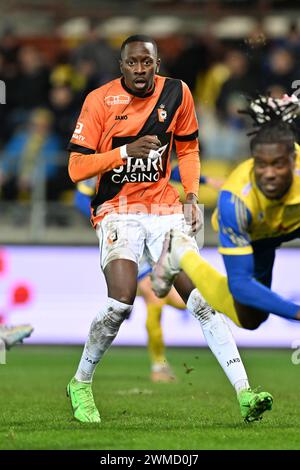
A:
[200,411]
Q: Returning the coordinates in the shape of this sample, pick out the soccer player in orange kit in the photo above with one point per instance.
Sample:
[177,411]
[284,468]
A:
[124,136]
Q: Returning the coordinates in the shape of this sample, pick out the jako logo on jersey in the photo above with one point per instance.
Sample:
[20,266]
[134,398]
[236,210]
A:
[162,113]
[121,118]
[119,99]
[77,132]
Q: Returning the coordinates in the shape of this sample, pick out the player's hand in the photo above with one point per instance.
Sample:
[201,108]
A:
[141,147]
[192,213]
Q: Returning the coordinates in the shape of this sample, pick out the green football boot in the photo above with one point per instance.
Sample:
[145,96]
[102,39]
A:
[253,404]
[82,402]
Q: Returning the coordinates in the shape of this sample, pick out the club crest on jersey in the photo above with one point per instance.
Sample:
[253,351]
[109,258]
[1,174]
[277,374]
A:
[162,113]
[118,99]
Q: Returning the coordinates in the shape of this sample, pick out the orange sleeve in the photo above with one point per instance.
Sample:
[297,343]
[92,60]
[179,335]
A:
[186,123]
[90,124]
[84,162]
[189,165]
[82,167]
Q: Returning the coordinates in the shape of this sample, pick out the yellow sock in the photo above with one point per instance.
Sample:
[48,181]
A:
[174,300]
[211,284]
[155,337]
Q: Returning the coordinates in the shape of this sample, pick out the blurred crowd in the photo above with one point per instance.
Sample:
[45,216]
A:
[45,90]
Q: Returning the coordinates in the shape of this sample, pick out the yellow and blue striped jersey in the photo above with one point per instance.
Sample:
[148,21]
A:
[244,215]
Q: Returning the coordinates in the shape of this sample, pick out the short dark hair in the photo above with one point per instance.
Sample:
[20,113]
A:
[138,38]
[279,133]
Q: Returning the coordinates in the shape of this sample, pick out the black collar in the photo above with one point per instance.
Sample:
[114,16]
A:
[136,93]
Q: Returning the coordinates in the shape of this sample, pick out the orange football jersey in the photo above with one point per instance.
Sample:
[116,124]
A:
[112,116]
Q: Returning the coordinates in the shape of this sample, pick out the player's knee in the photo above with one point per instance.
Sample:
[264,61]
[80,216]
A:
[250,318]
[115,312]
[125,295]
[195,303]
[126,299]
[125,306]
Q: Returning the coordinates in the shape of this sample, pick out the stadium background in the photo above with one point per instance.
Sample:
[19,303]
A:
[51,56]
[52,53]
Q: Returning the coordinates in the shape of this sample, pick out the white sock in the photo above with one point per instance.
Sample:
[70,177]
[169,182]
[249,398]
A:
[158,366]
[241,385]
[220,340]
[182,242]
[103,331]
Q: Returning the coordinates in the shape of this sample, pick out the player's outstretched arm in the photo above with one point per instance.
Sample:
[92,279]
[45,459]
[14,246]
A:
[248,291]
[234,220]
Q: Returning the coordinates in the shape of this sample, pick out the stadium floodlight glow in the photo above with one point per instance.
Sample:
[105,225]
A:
[2,92]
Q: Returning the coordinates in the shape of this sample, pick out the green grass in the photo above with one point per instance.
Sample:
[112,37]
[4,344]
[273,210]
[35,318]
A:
[200,411]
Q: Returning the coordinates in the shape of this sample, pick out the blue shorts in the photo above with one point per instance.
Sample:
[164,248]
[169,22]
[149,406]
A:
[144,268]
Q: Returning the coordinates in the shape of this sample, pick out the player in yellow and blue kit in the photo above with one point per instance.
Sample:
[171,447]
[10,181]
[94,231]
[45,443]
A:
[258,209]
